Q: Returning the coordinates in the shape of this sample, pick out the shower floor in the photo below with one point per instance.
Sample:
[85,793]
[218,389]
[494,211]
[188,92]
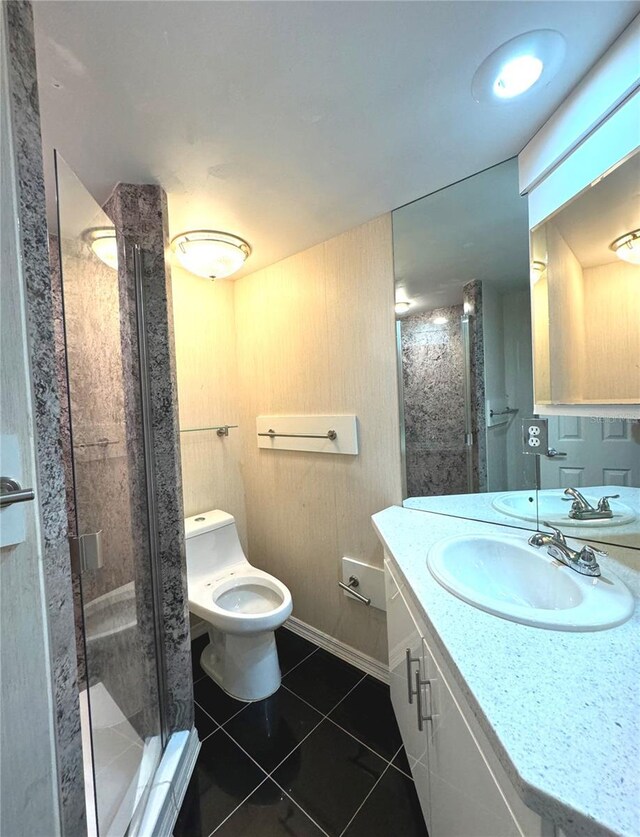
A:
[121,761]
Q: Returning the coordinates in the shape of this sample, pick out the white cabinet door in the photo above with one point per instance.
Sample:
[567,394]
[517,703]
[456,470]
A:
[465,799]
[405,661]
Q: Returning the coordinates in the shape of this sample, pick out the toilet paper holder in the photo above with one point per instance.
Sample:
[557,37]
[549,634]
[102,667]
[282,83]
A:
[353,583]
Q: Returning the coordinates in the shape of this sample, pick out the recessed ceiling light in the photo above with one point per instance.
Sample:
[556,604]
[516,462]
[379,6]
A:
[519,66]
[209,253]
[627,247]
[517,75]
[402,306]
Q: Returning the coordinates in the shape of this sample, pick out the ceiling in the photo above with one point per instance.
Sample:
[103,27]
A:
[290,122]
[475,229]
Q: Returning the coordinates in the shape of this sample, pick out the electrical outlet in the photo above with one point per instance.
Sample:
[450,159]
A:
[535,436]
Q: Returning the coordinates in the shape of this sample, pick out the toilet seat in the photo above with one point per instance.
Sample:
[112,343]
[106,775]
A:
[243,600]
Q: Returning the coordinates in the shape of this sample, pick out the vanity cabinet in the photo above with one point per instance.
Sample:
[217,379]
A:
[462,787]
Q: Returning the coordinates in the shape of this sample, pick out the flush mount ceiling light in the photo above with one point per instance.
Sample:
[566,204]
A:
[209,253]
[627,247]
[402,306]
[102,241]
[519,66]
[440,320]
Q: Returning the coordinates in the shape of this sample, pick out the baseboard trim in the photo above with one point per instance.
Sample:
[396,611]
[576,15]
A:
[362,661]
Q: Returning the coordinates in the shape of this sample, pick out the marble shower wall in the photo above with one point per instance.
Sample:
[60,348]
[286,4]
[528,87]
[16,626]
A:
[27,153]
[433,384]
[140,216]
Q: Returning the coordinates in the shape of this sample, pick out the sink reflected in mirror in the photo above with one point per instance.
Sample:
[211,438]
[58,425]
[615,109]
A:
[553,507]
[505,576]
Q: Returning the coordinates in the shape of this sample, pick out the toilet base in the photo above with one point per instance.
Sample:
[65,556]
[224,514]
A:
[245,667]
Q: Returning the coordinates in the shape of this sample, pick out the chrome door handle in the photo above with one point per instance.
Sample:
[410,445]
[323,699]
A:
[410,661]
[12,492]
[430,713]
[553,452]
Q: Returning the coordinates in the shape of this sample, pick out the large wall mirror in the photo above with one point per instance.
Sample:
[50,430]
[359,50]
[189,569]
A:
[463,306]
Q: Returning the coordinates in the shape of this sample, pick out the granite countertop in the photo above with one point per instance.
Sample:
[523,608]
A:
[480,507]
[560,708]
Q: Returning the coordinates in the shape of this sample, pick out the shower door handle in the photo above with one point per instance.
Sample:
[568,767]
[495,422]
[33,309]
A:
[12,492]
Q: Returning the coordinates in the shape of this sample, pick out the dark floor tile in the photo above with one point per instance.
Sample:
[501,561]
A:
[329,775]
[197,647]
[392,809]
[223,777]
[270,729]
[268,812]
[203,723]
[322,680]
[215,701]
[367,713]
[292,649]
[402,763]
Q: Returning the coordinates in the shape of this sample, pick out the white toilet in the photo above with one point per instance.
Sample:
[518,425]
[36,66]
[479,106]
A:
[241,605]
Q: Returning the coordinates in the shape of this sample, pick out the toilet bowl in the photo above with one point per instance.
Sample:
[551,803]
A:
[241,605]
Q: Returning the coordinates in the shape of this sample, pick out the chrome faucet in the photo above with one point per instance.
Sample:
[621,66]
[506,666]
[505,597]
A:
[581,508]
[584,562]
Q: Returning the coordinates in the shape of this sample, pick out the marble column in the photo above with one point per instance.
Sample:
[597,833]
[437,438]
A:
[472,296]
[140,216]
[27,143]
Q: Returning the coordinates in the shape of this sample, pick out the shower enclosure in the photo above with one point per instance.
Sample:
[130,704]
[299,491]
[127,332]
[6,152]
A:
[110,504]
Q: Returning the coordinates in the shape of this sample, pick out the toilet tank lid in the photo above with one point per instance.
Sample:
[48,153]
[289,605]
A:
[206,522]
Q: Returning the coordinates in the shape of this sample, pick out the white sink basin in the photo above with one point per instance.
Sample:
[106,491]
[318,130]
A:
[504,575]
[554,505]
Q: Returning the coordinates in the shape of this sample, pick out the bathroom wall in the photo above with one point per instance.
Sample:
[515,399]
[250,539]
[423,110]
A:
[432,372]
[316,334]
[208,395]
[518,370]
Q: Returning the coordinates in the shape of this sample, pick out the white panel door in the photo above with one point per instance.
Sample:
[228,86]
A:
[599,451]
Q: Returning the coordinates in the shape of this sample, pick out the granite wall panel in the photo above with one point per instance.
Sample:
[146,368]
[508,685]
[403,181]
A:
[140,216]
[46,403]
[433,384]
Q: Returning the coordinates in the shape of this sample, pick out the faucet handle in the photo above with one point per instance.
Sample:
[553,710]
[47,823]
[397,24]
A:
[588,558]
[556,532]
[603,502]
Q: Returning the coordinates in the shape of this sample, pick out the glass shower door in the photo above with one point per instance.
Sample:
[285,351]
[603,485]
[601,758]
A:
[120,696]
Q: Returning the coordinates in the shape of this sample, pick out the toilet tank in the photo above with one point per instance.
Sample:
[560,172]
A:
[212,543]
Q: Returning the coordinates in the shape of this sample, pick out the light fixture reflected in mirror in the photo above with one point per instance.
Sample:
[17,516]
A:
[537,269]
[210,253]
[627,247]
[402,306]
[102,241]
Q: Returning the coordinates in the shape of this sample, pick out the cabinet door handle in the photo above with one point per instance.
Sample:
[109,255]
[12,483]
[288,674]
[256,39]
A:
[430,714]
[410,661]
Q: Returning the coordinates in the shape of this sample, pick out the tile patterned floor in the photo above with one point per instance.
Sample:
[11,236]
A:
[321,756]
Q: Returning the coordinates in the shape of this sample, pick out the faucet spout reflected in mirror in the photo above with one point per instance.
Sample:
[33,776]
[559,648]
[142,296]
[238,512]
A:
[581,508]
[583,561]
